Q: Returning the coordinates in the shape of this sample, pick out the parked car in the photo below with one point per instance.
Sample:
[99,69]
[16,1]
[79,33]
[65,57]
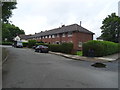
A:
[34,46]
[41,48]
[17,44]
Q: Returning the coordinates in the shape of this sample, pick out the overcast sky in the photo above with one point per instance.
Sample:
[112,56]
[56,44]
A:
[40,15]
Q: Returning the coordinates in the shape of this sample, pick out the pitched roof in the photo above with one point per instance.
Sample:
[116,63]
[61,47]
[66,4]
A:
[25,36]
[63,29]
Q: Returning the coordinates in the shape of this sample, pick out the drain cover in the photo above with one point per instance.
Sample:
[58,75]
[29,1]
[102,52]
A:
[99,65]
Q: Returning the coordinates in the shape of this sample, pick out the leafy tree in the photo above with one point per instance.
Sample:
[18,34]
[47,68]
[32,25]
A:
[7,10]
[111,28]
[10,31]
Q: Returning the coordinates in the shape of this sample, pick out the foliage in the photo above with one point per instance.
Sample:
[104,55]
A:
[7,10]
[64,48]
[79,53]
[100,48]
[25,44]
[55,47]
[10,31]
[111,28]
[6,43]
[42,44]
[31,43]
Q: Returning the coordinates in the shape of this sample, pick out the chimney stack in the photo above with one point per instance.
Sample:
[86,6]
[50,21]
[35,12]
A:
[80,23]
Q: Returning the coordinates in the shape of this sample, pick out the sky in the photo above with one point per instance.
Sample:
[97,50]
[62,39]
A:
[34,16]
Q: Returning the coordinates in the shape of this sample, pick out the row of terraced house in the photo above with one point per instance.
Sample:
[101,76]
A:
[74,33]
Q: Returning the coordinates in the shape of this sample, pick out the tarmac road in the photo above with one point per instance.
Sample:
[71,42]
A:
[28,69]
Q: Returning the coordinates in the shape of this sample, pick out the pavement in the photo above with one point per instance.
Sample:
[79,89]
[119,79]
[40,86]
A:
[108,58]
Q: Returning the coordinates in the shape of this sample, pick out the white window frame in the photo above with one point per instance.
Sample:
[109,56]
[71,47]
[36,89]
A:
[63,35]
[80,44]
[58,35]
[53,36]
[70,34]
[45,36]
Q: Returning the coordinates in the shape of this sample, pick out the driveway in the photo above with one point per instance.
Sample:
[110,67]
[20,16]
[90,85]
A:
[28,69]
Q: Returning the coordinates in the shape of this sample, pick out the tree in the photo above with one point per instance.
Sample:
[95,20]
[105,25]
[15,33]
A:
[10,31]
[7,10]
[111,28]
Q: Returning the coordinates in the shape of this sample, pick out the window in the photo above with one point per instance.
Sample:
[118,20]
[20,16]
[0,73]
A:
[80,44]
[57,35]
[45,36]
[57,42]
[70,34]
[49,36]
[53,36]
[63,35]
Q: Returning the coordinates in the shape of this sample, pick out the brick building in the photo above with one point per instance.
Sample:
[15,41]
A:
[74,33]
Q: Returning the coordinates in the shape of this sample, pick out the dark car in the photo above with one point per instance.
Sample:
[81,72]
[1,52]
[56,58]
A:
[34,46]
[41,48]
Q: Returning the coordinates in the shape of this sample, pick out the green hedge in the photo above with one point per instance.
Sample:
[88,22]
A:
[31,43]
[6,43]
[25,44]
[42,44]
[64,47]
[100,48]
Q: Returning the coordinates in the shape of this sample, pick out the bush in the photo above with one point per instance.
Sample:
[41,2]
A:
[31,43]
[55,47]
[64,48]
[25,44]
[42,44]
[100,48]
[6,43]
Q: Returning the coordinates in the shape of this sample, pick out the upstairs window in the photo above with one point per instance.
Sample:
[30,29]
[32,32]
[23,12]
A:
[70,34]
[63,35]
[53,36]
[57,35]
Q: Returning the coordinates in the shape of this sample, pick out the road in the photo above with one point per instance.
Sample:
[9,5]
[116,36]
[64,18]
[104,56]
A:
[28,69]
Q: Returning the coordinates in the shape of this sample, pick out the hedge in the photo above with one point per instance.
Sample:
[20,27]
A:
[64,47]
[31,43]
[5,43]
[45,44]
[100,48]
[25,44]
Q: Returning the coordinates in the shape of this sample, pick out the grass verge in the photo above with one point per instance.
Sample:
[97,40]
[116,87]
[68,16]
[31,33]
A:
[79,53]
[4,53]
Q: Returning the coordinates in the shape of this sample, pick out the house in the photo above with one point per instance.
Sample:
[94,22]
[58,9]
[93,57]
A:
[23,38]
[99,38]
[74,33]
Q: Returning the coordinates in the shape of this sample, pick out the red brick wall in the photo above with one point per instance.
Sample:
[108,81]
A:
[76,38]
[81,37]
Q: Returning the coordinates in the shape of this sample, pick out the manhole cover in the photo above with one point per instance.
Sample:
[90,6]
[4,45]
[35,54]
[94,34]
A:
[99,65]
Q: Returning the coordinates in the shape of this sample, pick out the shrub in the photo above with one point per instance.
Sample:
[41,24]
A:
[100,48]
[25,44]
[45,44]
[31,43]
[6,43]
[55,47]
[64,48]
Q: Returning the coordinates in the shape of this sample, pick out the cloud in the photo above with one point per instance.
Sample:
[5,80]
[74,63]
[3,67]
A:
[39,15]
